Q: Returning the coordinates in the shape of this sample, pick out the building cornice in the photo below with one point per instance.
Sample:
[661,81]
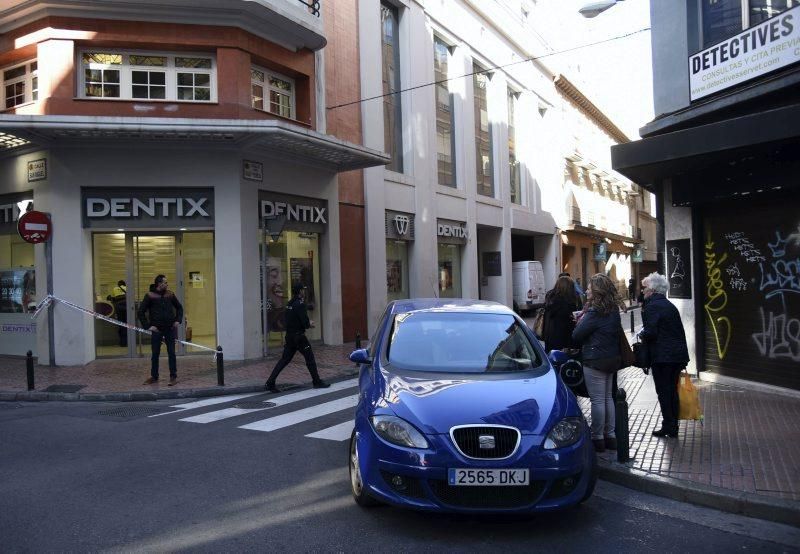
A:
[588,108]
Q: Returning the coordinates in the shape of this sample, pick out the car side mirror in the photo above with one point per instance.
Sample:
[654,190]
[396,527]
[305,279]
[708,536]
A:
[557,357]
[360,356]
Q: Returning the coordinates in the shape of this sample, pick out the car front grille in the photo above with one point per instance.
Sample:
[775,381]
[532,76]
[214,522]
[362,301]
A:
[486,497]
[467,439]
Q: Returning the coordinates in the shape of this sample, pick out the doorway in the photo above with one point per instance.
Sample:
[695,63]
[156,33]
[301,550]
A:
[124,267]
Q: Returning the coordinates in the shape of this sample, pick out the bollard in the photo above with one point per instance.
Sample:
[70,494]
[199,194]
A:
[220,368]
[29,367]
[633,327]
[621,423]
[358,341]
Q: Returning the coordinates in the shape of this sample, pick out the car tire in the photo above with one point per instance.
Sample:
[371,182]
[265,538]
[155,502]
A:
[357,488]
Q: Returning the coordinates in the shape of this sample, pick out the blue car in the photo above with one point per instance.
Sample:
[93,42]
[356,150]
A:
[461,411]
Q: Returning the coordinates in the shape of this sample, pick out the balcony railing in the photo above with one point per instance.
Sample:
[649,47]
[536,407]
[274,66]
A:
[312,5]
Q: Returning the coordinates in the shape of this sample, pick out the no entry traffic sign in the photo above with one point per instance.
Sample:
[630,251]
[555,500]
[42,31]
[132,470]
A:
[34,227]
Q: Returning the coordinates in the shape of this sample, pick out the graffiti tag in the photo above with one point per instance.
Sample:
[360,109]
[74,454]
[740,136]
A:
[779,336]
[782,274]
[717,299]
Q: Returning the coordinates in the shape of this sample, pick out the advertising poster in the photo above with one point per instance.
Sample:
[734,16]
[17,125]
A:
[17,290]
[302,271]
[275,295]
[394,276]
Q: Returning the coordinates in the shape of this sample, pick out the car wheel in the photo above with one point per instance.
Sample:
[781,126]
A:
[357,487]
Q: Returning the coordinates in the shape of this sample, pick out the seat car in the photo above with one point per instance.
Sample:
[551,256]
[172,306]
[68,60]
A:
[461,411]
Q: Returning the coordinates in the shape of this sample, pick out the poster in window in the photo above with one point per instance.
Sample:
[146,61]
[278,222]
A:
[302,271]
[276,295]
[17,290]
[394,276]
[445,275]
[679,268]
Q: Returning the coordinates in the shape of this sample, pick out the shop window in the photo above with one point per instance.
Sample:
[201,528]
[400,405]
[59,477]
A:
[272,93]
[147,76]
[17,275]
[449,270]
[20,84]
[396,269]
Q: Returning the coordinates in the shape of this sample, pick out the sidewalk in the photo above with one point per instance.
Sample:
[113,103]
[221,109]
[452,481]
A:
[744,458]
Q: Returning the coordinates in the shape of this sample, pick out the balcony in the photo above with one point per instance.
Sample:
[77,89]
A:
[293,24]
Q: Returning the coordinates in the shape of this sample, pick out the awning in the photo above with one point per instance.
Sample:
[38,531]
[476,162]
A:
[273,138]
[714,146]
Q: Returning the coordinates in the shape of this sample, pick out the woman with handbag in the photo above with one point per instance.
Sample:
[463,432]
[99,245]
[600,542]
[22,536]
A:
[663,333]
[598,332]
[560,303]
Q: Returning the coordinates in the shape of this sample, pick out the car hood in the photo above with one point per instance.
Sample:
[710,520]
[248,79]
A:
[434,405]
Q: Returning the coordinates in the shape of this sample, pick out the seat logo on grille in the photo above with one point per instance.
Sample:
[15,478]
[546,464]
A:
[486,442]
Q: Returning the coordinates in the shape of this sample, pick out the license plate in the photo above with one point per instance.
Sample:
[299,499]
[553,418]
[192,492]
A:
[487,477]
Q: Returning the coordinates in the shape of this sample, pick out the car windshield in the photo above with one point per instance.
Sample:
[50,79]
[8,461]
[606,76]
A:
[460,342]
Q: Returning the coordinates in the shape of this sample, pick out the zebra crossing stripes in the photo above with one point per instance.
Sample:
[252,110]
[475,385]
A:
[299,416]
[206,402]
[339,432]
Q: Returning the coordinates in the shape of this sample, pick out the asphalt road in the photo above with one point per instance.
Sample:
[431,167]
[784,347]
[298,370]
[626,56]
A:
[76,477]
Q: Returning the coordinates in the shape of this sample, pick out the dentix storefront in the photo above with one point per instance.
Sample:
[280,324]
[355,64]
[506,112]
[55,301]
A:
[184,206]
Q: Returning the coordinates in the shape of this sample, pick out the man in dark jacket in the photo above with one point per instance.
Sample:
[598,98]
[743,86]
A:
[296,324]
[161,312]
[663,331]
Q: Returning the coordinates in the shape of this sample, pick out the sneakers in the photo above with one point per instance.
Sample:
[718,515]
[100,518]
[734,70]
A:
[321,385]
[172,381]
[151,380]
[270,387]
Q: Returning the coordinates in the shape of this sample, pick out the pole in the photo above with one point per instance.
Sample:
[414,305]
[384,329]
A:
[29,368]
[633,327]
[621,424]
[51,320]
[220,368]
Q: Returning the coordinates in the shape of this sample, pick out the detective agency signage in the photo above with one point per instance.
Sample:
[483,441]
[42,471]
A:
[148,207]
[770,45]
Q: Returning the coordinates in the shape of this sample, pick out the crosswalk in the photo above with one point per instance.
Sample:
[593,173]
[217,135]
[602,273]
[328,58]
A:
[272,404]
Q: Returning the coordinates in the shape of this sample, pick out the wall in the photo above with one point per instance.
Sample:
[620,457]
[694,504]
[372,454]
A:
[670,56]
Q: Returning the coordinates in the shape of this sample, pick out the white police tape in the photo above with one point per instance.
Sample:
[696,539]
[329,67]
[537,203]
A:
[47,300]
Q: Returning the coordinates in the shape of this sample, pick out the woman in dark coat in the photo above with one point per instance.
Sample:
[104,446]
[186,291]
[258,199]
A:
[560,302]
[663,331]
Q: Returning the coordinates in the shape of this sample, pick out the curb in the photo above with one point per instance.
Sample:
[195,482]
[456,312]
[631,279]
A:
[138,396]
[742,503]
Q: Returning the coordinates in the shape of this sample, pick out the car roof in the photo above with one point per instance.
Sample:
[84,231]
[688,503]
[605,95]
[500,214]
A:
[447,305]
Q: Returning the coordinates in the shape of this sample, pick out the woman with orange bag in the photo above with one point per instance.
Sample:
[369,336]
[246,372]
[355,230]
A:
[669,354]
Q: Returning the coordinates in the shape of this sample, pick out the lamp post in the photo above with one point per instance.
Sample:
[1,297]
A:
[593,9]
[272,228]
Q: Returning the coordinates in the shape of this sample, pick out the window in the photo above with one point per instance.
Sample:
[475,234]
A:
[483,133]
[392,112]
[445,116]
[725,18]
[148,76]
[513,163]
[21,84]
[272,93]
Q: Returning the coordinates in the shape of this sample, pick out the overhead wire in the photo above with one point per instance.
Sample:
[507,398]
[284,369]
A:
[487,70]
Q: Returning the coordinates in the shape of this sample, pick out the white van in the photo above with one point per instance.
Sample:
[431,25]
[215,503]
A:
[529,290]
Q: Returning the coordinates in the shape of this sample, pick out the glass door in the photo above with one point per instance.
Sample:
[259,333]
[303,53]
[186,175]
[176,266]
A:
[199,290]
[154,255]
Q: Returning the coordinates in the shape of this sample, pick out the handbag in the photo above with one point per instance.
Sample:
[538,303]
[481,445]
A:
[688,399]
[538,323]
[627,359]
[641,354]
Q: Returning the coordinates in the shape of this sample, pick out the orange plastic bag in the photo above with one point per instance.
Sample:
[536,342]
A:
[688,399]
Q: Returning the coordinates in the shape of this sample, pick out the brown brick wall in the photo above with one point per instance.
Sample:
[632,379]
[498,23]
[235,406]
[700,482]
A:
[354,271]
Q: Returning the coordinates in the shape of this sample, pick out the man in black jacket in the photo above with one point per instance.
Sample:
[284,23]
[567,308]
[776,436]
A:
[161,312]
[663,331]
[296,324]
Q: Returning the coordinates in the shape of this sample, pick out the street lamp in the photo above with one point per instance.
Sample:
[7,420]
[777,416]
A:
[593,9]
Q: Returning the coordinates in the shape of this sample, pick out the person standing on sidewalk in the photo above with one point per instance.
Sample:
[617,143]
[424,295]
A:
[296,324]
[161,312]
[558,324]
[663,331]
[597,331]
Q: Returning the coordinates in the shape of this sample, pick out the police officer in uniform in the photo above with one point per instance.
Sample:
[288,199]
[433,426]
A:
[296,324]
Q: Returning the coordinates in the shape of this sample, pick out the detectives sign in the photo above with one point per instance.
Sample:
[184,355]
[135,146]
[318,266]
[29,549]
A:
[761,49]
[148,208]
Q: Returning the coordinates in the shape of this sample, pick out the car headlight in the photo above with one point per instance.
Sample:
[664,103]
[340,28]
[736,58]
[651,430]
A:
[398,431]
[564,433]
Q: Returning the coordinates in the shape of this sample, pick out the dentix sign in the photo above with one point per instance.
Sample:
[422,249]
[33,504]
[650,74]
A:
[159,208]
[301,213]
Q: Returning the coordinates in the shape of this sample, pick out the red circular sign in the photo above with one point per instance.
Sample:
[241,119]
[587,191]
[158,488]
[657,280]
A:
[34,227]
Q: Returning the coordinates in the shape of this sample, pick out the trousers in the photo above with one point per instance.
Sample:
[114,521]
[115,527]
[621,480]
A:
[598,384]
[296,342]
[665,378]
[168,335]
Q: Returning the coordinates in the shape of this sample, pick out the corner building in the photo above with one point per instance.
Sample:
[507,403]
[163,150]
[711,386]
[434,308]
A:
[163,147]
